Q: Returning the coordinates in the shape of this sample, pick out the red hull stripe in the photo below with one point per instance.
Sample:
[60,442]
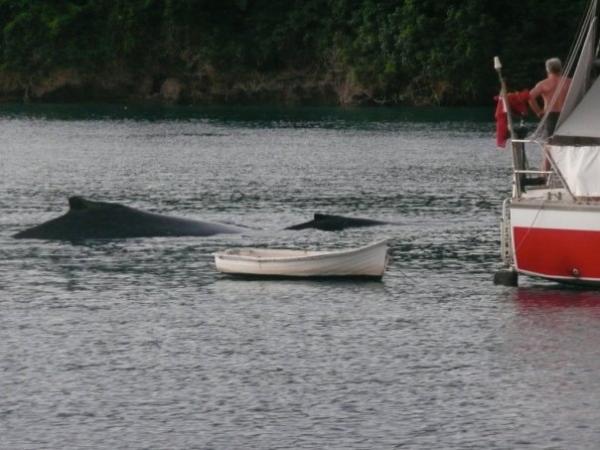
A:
[557,253]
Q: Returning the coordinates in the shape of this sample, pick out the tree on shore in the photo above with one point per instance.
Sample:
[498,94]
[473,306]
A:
[401,51]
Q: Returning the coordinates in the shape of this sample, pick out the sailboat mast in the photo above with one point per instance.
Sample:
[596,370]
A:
[595,12]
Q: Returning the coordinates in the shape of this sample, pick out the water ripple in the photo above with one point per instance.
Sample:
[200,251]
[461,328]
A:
[141,344]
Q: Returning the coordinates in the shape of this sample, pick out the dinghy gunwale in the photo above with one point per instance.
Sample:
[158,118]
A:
[311,256]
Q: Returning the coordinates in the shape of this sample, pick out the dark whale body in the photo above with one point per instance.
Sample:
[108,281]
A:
[327,222]
[88,219]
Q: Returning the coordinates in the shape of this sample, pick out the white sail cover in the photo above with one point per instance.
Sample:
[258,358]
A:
[579,167]
[584,121]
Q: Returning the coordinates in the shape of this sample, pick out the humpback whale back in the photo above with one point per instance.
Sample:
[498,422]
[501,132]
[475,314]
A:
[87,219]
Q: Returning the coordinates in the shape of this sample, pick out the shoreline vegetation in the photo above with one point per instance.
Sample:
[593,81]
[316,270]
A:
[310,52]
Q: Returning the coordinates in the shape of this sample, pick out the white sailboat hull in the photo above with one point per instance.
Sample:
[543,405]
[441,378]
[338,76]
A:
[368,261]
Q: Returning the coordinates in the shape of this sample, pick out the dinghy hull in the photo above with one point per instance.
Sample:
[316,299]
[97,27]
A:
[369,261]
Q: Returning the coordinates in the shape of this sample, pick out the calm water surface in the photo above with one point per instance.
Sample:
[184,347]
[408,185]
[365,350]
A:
[140,344]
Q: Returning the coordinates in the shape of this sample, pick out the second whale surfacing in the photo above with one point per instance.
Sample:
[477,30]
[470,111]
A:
[329,222]
[88,219]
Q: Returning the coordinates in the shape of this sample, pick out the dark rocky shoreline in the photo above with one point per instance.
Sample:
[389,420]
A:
[202,88]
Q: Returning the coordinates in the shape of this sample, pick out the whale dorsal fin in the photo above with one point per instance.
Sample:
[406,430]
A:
[320,216]
[78,203]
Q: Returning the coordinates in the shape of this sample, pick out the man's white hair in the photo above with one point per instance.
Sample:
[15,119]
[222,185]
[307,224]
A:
[553,65]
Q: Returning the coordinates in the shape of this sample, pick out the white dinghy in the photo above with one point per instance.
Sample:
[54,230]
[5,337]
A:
[368,261]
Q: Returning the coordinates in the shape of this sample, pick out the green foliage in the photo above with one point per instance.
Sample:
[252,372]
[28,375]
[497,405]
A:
[436,51]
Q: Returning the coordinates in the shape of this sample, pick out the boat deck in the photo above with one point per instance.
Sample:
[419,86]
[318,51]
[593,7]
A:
[545,193]
[271,253]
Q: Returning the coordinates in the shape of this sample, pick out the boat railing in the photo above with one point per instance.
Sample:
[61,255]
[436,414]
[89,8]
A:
[526,178]
[505,235]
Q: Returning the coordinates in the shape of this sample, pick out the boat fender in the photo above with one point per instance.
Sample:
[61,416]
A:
[506,277]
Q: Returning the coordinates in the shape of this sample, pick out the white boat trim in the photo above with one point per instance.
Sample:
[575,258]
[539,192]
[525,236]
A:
[551,218]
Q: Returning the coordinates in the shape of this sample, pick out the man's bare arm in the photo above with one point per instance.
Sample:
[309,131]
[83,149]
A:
[534,94]
[535,106]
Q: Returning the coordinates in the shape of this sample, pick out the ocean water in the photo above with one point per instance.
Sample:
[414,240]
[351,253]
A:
[140,343]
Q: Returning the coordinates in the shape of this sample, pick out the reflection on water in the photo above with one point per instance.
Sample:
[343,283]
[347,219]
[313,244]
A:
[565,297]
[139,343]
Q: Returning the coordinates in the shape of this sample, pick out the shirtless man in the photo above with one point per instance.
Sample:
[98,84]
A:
[546,89]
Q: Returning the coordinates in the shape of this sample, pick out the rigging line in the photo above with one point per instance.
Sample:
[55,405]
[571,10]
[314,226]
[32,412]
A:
[408,277]
[567,70]
[571,58]
[584,18]
[530,227]
[580,37]
[578,44]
